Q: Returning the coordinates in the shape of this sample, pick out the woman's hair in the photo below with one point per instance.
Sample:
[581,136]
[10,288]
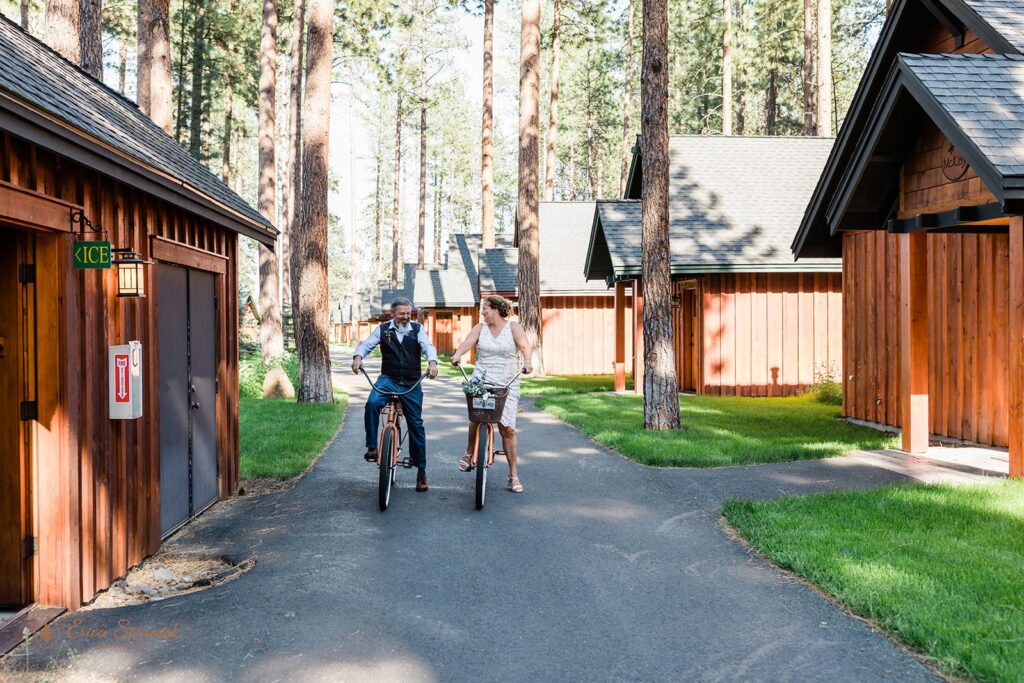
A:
[499,303]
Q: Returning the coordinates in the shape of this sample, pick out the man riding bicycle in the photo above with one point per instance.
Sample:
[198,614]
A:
[402,343]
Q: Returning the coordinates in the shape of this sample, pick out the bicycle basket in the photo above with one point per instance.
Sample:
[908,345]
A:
[487,408]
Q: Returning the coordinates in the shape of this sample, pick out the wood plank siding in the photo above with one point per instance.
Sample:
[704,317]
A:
[926,189]
[761,334]
[99,479]
[569,319]
[968,352]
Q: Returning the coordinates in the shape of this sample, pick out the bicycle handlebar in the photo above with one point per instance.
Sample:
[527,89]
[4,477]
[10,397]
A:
[492,386]
[392,394]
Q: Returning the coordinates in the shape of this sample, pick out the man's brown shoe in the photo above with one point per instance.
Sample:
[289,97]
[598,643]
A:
[421,481]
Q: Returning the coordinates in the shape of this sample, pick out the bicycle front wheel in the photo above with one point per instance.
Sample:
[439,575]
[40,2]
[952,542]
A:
[386,462]
[484,442]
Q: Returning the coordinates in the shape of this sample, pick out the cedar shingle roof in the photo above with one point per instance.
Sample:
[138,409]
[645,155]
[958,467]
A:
[734,204]
[32,73]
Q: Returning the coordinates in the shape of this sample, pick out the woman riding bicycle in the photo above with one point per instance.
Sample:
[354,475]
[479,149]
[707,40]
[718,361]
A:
[498,344]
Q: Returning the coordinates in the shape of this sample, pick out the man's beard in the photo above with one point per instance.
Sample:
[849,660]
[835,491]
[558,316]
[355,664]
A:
[403,327]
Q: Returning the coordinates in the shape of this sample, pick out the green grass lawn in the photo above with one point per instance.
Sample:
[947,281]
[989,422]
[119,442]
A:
[279,437]
[941,566]
[717,430]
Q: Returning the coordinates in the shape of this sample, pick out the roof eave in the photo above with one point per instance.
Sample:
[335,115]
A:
[820,199]
[25,121]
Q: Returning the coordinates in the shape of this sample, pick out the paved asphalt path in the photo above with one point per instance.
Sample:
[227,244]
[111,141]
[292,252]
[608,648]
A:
[602,570]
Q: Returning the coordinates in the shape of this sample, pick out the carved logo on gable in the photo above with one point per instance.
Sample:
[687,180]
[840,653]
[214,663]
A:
[954,166]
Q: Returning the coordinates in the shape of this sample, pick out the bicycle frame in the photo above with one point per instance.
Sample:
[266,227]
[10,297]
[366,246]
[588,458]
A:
[392,413]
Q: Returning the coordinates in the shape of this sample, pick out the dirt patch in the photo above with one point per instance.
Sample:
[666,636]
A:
[168,575]
[257,486]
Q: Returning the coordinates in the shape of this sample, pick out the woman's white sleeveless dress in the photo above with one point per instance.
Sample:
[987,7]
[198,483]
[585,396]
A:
[500,358]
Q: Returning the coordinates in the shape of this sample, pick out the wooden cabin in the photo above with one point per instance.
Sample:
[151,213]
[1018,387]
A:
[923,196]
[448,297]
[572,308]
[747,319]
[86,491]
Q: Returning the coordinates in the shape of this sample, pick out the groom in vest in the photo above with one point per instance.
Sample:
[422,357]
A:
[401,344]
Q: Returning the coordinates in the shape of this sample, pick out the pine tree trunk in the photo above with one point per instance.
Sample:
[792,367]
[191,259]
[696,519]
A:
[271,337]
[229,122]
[378,217]
[487,130]
[741,79]
[573,194]
[195,146]
[396,219]
[771,103]
[90,37]
[421,253]
[62,28]
[556,48]
[293,170]
[661,394]
[310,246]
[727,68]
[24,14]
[529,152]
[824,64]
[438,188]
[810,94]
[159,49]
[353,241]
[122,64]
[143,58]
[627,102]
[179,119]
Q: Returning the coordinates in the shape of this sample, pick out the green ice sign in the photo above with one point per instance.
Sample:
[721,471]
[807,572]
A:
[91,254]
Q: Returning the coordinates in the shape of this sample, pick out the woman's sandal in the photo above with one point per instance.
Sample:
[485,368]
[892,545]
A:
[514,485]
[466,462]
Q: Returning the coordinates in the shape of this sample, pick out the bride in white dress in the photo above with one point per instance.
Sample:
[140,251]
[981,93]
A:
[499,343]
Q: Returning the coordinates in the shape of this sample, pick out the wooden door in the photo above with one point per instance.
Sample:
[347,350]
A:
[443,332]
[16,362]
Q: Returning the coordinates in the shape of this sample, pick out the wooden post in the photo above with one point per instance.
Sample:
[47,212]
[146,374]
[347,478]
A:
[620,337]
[1016,346]
[638,337]
[914,341]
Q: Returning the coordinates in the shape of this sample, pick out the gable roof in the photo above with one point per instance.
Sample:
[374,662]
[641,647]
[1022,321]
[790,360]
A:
[734,203]
[996,22]
[977,101]
[499,270]
[53,103]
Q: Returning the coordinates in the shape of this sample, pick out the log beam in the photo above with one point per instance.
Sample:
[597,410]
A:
[914,341]
[1016,354]
[620,337]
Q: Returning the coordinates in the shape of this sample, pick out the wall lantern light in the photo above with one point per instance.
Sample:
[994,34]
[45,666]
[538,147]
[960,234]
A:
[677,301]
[131,276]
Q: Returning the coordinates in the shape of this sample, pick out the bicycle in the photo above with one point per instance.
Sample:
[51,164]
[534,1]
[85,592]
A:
[486,411]
[389,445]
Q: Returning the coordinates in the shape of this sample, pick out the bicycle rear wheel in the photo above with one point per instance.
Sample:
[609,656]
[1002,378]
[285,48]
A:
[386,462]
[484,442]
